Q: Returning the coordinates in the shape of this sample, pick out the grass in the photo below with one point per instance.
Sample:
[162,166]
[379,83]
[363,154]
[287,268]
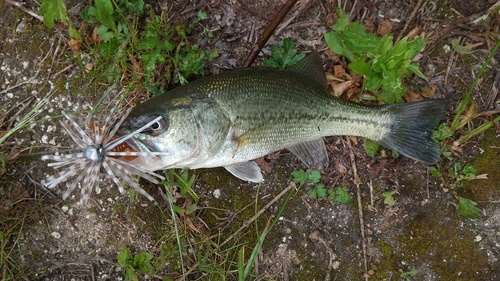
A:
[198,254]
[125,39]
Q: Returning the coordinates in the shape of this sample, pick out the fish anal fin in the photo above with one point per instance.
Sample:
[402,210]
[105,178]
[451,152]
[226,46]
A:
[312,153]
[248,171]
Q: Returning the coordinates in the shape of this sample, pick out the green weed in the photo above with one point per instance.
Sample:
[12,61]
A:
[283,56]
[389,198]
[458,174]
[319,191]
[141,261]
[382,64]
[407,275]
[129,41]
[185,185]
[467,208]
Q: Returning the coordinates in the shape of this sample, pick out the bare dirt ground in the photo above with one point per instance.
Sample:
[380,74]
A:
[316,239]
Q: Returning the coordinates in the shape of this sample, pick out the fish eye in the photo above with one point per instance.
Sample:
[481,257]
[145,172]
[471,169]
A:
[157,127]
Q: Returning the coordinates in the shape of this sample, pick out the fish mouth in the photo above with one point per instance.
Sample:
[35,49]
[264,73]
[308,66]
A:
[141,152]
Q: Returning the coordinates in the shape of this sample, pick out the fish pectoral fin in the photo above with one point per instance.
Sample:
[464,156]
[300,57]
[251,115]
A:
[248,171]
[312,153]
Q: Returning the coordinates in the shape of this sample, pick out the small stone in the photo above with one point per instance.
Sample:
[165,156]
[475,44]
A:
[217,193]
[56,234]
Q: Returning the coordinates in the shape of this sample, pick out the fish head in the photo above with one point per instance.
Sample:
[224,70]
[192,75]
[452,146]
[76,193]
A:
[166,138]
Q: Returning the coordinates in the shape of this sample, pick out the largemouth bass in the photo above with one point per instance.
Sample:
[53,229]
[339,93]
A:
[227,120]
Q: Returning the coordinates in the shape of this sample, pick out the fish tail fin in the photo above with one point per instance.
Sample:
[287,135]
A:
[412,128]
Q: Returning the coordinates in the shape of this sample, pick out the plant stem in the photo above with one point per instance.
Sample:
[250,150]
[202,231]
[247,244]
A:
[465,101]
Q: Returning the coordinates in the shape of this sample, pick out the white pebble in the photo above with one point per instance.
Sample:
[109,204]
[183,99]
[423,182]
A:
[217,193]
[56,234]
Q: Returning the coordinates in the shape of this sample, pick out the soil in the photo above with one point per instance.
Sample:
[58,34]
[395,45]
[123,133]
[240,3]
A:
[46,238]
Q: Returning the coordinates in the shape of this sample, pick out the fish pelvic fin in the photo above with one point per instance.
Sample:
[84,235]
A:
[248,171]
[312,153]
[412,127]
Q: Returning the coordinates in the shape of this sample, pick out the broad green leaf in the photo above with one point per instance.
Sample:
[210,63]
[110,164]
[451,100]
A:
[106,20]
[399,50]
[299,176]
[202,15]
[142,257]
[342,21]
[191,208]
[387,97]
[104,6]
[388,198]
[467,209]
[469,169]
[318,191]
[284,56]
[370,147]
[416,69]
[360,66]
[373,81]
[385,45]
[53,10]
[88,14]
[142,261]
[336,44]
[435,172]
[314,176]
[130,274]
[125,257]
[442,133]
[339,195]
[74,33]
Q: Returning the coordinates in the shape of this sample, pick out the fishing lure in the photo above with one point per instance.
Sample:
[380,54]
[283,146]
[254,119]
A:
[100,151]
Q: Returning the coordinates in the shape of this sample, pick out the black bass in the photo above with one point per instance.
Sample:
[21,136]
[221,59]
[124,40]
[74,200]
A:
[227,120]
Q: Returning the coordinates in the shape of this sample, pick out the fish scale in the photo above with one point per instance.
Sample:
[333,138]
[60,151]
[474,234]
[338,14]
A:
[231,118]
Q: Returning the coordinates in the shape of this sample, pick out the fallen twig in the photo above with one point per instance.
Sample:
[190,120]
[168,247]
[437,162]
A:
[357,182]
[412,16]
[21,7]
[268,32]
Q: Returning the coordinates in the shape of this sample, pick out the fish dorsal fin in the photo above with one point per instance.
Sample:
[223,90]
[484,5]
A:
[312,153]
[310,67]
[248,171]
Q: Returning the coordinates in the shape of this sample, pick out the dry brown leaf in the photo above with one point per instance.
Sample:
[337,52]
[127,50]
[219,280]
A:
[340,88]
[412,96]
[384,28]
[96,37]
[74,45]
[263,165]
[429,92]
[413,33]
[339,71]
[353,92]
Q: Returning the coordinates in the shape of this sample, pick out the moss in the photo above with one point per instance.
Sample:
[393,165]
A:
[447,248]
[387,265]
[488,162]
